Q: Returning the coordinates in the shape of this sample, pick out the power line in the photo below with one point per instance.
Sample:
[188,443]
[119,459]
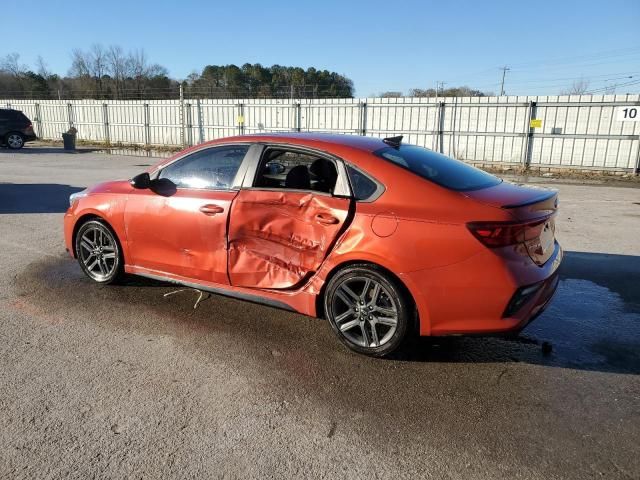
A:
[604,89]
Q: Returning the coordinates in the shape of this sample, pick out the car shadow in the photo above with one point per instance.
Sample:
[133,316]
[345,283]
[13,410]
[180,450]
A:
[592,323]
[20,198]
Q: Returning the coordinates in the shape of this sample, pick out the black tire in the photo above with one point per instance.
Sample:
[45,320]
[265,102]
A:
[14,140]
[365,322]
[100,244]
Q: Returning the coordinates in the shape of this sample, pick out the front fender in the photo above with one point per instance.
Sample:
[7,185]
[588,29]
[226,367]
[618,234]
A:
[105,207]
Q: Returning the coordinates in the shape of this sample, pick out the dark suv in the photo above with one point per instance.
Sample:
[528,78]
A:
[15,129]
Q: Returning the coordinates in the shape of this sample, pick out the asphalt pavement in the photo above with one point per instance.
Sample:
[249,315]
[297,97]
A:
[121,382]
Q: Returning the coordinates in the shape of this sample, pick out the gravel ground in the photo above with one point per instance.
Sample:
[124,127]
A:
[119,382]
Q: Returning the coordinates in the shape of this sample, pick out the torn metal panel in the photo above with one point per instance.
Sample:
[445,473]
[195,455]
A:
[277,238]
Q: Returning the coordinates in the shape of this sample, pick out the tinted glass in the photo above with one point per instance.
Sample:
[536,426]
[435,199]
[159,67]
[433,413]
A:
[22,118]
[363,187]
[438,168]
[213,168]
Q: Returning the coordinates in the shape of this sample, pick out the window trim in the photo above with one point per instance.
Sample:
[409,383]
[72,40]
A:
[342,188]
[237,179]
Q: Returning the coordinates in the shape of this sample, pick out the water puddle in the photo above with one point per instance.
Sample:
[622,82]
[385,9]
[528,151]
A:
[590,327]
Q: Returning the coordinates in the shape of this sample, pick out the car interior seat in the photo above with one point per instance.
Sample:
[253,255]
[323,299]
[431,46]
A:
[298,178]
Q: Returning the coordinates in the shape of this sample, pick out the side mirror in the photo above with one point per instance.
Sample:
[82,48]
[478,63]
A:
[142,180]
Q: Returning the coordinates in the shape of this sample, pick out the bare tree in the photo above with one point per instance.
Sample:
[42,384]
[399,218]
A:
[11,64]
[42,68]
[98,66]
[578,87]
[117,67]
[421,92]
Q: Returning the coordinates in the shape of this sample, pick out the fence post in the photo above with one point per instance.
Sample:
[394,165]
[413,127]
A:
[147,128]
[528,148]
[441,127]
[189,125]
[181,115]
[105,123]
[637,169]
[39,120]
[298,110]
[200,127]
[240,119]
[363,118]
[70,114]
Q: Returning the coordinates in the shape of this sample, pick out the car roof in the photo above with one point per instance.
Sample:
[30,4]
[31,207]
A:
[9,110]
[368,144]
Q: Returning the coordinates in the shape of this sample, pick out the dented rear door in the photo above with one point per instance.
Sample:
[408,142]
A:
[278,238]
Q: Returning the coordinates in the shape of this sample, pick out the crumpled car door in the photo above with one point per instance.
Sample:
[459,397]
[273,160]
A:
[277,239]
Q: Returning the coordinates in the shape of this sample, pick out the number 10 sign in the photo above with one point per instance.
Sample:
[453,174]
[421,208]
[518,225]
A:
[628,114]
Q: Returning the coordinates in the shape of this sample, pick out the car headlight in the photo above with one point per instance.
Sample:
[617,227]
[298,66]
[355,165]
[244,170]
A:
[76,196]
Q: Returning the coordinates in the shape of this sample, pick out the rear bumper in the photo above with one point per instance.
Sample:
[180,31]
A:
[30,138]
[538,303]
[473,296]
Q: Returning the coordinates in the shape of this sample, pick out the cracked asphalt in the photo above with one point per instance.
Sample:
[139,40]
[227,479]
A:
[121,382]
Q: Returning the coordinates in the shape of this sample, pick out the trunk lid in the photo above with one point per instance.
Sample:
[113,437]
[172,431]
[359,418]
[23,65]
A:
[533,206]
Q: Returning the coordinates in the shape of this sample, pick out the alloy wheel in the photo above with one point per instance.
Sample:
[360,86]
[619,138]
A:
[365,312]
[15,141]
[98,253]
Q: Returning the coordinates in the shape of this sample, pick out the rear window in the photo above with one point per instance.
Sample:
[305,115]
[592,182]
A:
[438,168]
[21,117]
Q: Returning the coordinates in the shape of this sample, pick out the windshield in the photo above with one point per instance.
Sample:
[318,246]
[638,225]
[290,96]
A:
[438,168]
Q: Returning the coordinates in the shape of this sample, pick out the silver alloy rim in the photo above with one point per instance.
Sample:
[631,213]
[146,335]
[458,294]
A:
[98,252]
[365,312]
[14,141]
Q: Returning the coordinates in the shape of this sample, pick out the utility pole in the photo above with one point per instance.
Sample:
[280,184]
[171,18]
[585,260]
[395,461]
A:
[504,72]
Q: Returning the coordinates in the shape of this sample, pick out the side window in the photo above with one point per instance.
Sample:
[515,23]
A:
[213,168]
[290,169]
[363,187]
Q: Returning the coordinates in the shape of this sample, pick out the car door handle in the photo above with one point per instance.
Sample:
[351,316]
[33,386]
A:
[211,209]
[326,219]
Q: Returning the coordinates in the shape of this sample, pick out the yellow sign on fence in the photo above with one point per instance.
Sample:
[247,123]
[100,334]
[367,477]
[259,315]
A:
[240,119]
[535,123]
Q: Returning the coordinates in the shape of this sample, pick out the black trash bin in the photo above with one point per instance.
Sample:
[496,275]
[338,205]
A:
[69,140]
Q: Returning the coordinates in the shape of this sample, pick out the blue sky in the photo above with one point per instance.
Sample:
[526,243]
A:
[380,45]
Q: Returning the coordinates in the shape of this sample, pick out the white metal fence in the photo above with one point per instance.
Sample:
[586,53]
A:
[581,131]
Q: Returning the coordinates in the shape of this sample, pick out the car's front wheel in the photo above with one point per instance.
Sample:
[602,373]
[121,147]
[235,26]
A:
[98,252]
[14,140]
[368,310]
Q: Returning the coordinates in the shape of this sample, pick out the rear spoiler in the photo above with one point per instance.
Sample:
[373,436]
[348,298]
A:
[541,198]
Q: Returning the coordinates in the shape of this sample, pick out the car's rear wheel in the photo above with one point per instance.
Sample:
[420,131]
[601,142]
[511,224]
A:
[368,310]
[14,140]
[99,253]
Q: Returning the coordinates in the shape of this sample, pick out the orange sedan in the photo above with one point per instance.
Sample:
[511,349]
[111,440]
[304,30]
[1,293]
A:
[382,238]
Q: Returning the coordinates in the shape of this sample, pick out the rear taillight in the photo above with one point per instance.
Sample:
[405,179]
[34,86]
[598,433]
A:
[502,234]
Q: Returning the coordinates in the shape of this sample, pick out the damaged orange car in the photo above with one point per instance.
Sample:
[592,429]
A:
[382,238]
